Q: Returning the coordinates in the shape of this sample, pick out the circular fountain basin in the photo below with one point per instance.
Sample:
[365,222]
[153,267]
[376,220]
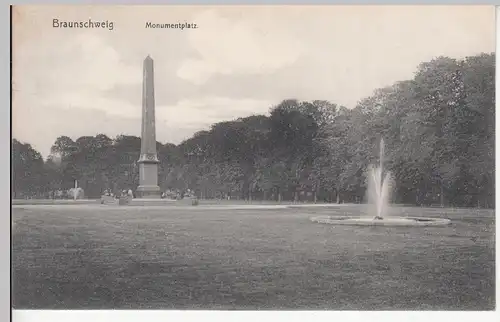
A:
[389,221]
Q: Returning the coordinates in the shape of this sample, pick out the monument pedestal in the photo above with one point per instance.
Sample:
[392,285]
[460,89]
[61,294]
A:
[148,178]
[148,192]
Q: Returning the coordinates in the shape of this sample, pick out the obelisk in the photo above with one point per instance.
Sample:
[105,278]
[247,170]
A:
[148,160]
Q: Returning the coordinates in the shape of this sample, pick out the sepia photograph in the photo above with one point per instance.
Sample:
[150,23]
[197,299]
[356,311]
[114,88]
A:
[253,157]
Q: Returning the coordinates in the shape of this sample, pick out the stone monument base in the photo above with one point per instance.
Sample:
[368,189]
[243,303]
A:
[148,192]
[142,202]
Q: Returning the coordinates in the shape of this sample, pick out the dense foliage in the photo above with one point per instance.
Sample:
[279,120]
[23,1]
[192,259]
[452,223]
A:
[438,127]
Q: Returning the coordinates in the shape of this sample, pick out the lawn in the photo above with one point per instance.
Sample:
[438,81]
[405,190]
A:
[103,257]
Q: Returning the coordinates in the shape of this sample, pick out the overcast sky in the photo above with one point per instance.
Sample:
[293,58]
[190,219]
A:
[239,61]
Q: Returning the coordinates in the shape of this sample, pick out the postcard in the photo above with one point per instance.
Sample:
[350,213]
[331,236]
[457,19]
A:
[253,157]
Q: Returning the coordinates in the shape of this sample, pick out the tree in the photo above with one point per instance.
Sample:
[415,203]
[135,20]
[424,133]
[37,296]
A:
[28,175]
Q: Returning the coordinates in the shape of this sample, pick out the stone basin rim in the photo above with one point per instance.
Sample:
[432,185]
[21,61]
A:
[389,221]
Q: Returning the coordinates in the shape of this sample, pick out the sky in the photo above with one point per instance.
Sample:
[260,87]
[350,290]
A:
[239,61]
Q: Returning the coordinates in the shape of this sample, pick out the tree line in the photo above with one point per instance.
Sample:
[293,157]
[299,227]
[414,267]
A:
[438,130]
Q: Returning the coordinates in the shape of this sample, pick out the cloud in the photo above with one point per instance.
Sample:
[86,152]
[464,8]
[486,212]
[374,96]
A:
[76,75]
[238,46]
[84,60]
[95,66]
[83,100]
[203,112]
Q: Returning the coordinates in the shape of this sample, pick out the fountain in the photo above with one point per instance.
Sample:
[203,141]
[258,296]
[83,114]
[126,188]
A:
[379,188]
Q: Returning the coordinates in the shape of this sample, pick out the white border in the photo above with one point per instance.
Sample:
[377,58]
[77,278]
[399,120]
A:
[275,316]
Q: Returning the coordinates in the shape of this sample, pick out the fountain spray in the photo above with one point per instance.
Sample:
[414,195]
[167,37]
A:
[75,191]
[378,186]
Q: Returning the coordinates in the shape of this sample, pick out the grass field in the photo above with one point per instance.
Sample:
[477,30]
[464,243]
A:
[97,257]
